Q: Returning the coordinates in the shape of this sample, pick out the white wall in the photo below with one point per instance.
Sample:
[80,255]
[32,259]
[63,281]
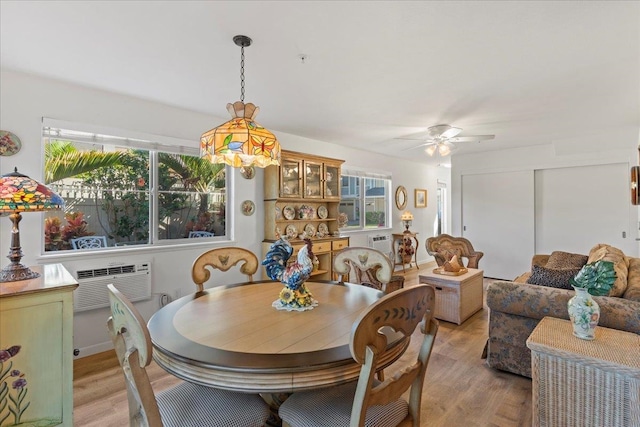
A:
[25,99]
[616,146]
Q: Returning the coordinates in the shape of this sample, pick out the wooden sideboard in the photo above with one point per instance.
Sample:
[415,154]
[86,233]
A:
[36,349]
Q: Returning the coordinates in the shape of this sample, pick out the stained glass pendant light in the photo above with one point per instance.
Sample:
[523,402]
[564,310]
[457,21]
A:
[19,194]
[241,141]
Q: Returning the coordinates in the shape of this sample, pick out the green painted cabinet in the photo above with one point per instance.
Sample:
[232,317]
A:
[36,349]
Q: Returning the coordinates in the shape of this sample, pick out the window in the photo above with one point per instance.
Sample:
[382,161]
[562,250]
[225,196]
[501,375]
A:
[365,200]
[125,192]
[441,214]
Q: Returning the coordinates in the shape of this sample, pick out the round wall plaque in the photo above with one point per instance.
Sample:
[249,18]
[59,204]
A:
[9,143]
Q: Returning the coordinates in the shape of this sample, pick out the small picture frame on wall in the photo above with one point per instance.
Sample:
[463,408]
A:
[420,198]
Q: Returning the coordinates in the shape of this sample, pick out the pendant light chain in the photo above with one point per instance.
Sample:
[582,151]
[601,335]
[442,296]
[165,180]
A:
[242,73]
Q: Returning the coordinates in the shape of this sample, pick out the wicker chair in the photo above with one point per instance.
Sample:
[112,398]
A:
[186,404]
[368,401]
[223,259]
[444,246]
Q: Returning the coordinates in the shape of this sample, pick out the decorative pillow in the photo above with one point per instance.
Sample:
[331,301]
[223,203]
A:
[552,277]
[633,281]
[559,259]
[620,262]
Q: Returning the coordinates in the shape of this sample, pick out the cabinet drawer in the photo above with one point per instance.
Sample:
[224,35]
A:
[321,247]
[336,245]
[317,247]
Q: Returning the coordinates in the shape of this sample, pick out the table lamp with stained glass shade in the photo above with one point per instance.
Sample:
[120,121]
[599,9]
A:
[406,218]
[18,194]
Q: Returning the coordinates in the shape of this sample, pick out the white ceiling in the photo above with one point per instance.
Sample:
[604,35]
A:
[529,72]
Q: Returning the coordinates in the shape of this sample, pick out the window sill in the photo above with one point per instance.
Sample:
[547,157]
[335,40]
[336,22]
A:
[366,230]
[52,257]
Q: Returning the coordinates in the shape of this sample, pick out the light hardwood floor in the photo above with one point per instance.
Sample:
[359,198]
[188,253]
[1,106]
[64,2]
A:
[460,390]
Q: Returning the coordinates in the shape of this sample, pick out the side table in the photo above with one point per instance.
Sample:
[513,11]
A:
[399,239]
[457,297]
[584,383]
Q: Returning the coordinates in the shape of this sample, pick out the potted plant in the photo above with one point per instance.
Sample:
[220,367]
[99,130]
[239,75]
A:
[595,278]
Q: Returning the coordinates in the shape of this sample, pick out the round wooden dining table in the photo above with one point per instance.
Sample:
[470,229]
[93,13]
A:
[231,337]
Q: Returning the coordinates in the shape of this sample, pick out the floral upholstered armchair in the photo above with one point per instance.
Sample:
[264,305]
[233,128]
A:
[444,246]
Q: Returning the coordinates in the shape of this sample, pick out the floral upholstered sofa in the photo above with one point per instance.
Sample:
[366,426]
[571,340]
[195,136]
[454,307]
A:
[516,307]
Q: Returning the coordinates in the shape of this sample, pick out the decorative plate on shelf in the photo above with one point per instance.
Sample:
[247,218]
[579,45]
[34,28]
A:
[323,230]
[322,212]
[306,212]
[278,213]
[310,230]
[291,232]
[343,219]
[289,212]
[248,207]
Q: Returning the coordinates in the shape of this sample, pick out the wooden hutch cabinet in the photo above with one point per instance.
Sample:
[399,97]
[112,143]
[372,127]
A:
[36,349]
[303,195]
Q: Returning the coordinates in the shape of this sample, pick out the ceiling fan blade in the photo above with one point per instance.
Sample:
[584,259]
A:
[415,139]
[417,146]
[443,131]
[472,138]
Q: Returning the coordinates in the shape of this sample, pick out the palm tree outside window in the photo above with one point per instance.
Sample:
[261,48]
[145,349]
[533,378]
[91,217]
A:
[106,182]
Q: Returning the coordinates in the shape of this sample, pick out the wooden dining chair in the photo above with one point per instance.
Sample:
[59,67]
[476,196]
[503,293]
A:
[369,401]
[186,404]
[223,259]
[371,267]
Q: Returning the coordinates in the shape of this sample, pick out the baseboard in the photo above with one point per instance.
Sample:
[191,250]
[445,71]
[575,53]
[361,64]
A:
[94,349]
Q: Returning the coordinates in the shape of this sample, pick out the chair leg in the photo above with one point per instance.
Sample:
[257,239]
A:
[380,375]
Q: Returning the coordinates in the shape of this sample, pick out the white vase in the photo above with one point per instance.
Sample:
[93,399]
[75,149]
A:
[584,313]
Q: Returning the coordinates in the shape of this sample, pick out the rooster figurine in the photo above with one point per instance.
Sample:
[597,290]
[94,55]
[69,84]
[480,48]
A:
[295,295]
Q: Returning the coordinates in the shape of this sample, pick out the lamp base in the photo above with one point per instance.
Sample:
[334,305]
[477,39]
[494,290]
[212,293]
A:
[16,272]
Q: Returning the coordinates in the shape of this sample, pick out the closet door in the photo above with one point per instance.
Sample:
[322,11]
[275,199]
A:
[578,207]
[498,219]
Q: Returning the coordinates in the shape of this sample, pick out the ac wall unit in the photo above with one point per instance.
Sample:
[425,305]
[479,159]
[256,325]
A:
[133,280]
[381,243]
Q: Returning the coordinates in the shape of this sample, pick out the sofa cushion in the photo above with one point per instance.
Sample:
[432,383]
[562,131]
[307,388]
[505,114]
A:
[552,277]
[633,280]
[559,259]
[606,252]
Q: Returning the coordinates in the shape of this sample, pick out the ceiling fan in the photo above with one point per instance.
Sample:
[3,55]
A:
[441,138]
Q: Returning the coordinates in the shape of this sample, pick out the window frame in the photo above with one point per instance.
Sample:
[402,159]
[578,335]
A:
[361,176]
[154,144]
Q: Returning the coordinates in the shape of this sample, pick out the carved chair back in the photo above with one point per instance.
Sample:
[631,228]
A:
[223,259]
[371,267]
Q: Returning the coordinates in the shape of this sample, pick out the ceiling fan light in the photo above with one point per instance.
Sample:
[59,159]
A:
[430,150]
[444,150]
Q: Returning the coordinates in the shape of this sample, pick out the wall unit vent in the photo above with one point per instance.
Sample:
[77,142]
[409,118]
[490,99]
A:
[381,243]
[133,280]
